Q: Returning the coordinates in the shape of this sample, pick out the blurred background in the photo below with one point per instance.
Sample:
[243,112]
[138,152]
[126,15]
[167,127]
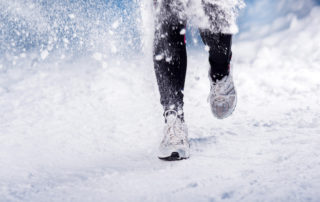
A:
[40,30]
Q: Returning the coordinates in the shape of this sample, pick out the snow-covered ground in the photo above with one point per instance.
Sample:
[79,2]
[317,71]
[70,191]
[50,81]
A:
[88,130]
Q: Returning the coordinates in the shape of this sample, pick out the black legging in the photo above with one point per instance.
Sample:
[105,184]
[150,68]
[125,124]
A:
[170,55]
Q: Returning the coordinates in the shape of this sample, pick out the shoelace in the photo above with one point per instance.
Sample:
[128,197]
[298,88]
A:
[218,85]
[219,88]
[215,89]
[174,131]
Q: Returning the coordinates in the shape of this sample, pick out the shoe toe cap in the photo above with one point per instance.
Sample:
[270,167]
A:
[222,108]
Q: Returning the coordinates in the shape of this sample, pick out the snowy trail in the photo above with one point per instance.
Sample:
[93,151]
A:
[89,131]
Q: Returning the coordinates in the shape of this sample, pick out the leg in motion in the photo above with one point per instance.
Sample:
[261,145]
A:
[219,53]
[222,97]
[170,63]
[170,56]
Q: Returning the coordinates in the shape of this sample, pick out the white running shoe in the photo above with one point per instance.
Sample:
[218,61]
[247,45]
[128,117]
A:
[222,97]
[175,144]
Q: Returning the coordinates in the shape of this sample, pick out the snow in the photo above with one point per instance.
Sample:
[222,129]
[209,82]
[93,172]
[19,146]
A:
[115,25]
[44,54]
[227,8]
[88,129]
[183,32]
[71,16]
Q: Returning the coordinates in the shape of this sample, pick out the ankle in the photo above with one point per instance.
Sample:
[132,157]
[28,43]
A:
[175,110]
[219,72]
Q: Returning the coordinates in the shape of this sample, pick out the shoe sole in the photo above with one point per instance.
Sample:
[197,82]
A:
[173,157]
